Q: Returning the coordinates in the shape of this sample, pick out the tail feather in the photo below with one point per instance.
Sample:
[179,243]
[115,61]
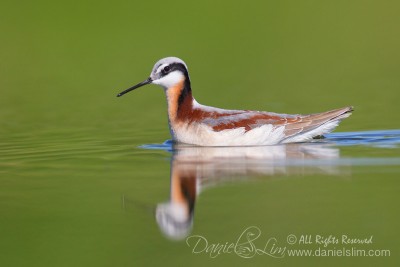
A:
[315,125]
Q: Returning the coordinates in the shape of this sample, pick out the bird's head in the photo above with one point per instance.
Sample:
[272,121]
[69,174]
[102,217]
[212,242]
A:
[167,72]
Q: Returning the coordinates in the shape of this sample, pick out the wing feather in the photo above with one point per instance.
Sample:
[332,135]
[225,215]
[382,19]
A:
[221,120]
[313,121]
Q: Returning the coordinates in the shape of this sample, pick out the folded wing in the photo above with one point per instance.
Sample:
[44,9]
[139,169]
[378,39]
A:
[294,124]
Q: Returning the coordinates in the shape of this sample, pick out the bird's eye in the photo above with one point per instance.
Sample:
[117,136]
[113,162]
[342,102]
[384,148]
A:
[167,68]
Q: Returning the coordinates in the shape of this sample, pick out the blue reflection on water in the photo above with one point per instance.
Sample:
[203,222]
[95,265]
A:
[380,138]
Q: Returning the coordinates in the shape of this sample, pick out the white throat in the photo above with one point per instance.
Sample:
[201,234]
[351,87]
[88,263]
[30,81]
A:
[170,80]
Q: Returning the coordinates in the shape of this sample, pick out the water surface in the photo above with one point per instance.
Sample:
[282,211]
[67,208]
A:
[85,199]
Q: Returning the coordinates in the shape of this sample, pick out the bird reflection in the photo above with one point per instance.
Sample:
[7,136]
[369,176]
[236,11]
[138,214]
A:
[195,168]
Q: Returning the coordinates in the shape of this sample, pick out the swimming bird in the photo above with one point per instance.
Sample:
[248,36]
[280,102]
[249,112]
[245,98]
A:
[193,123]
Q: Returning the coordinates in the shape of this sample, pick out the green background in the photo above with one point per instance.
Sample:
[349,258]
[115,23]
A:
[69,147]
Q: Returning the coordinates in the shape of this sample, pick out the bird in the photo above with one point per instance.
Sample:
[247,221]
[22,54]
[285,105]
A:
[193,123]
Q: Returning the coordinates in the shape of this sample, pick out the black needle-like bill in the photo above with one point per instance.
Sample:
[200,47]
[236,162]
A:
[149,80]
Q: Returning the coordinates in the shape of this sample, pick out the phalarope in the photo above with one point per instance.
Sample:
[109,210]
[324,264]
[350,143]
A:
[193,123]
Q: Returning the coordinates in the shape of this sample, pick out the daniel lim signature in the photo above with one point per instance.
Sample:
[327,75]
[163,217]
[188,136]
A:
[244,246]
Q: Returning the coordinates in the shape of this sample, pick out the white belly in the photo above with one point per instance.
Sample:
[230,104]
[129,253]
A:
[203,135]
